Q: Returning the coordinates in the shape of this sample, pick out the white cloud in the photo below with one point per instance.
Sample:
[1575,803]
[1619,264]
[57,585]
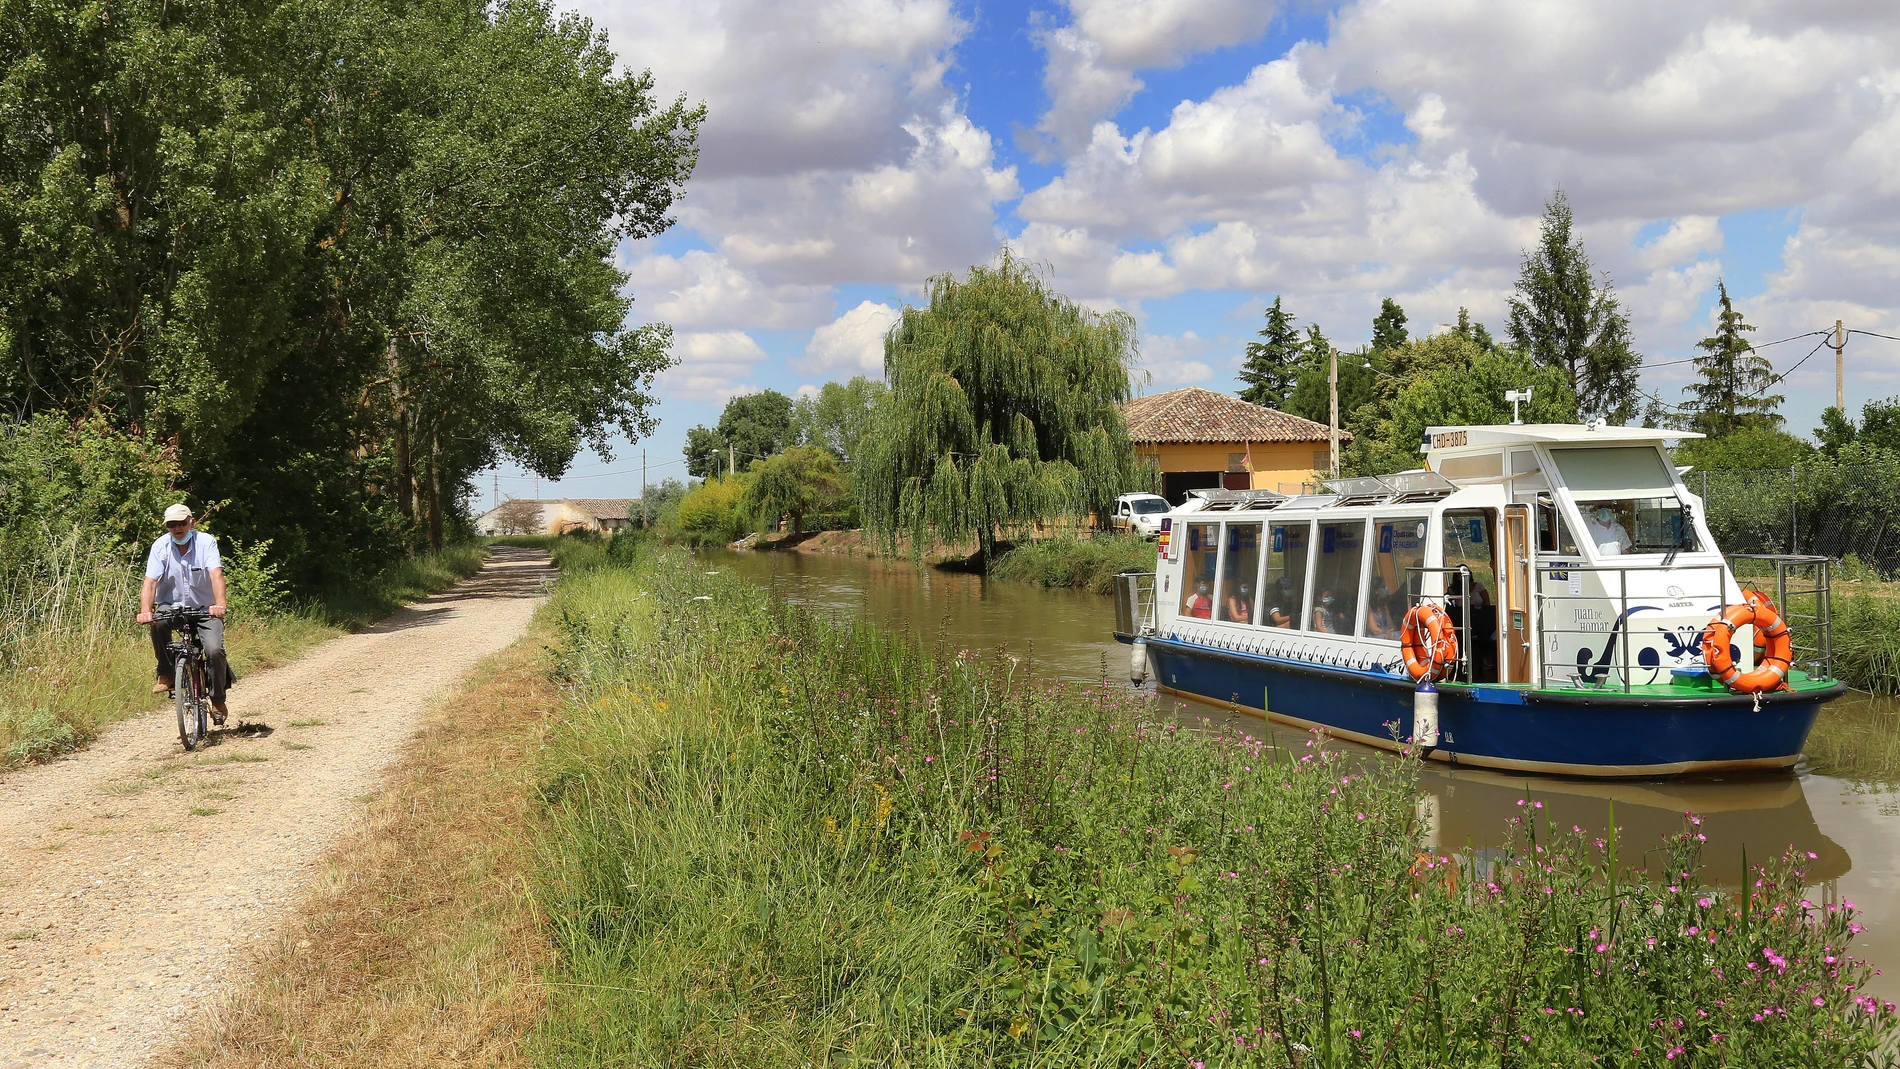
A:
[1171,360]
[702,290]
[712,365]
[1685,238]
[852,344]
[1091,65]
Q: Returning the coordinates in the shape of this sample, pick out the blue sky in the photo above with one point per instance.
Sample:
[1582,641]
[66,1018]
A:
[1187,160]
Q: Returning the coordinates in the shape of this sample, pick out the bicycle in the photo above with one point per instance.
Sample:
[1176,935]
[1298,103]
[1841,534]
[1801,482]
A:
[191,690]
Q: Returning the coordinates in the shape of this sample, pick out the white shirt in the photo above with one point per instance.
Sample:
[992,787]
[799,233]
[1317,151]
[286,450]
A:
[183,572]
[1609,538]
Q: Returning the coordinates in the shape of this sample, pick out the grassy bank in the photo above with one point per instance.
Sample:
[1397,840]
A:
[772,840]
[418,944]
[72,659]
[1089,563]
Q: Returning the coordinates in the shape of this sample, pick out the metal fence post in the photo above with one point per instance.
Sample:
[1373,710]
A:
[1794,517]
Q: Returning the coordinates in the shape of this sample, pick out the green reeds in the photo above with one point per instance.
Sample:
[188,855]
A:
[774,840]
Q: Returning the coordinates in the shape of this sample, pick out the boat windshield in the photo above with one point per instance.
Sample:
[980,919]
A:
[1628,500]
[1637,525]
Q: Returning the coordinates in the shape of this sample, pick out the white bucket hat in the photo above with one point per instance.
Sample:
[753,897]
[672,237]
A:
[178,513]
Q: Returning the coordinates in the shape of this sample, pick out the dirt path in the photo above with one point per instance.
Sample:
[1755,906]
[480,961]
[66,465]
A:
[131,874]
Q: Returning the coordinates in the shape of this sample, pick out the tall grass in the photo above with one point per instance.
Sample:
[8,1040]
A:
[1867,643]
[772,840]
[1089,563]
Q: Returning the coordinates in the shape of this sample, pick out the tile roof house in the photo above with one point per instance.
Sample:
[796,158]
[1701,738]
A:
[1200,438]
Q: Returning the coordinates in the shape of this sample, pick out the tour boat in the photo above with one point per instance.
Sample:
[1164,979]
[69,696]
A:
[1537,598]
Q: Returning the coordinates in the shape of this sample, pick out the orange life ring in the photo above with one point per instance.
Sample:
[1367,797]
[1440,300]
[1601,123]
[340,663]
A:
[1773,640]
[1428,641]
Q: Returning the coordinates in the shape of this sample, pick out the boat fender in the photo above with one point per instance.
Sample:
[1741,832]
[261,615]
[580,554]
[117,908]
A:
[1773,637]
[1425,715]
[1138,661]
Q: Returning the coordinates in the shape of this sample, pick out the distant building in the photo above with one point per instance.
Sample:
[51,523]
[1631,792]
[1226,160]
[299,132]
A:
[1201,439]
[555,517]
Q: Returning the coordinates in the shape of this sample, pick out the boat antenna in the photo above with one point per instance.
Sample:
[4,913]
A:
[1516,396]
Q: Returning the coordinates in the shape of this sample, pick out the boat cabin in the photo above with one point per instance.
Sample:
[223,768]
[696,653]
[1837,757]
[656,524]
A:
[1565,555]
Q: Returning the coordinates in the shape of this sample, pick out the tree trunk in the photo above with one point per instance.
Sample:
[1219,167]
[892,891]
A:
[405,475]
[435,492]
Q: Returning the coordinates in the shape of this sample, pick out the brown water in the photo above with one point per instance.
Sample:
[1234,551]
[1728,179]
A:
[1842,802]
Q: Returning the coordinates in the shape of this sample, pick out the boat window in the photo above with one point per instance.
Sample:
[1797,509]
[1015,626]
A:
[1197,570]
[1625,471]
[1469,537]
[1553,531]
[1336,577]
[1239,568]
[1398,548]
[1638,525]
[1283,591]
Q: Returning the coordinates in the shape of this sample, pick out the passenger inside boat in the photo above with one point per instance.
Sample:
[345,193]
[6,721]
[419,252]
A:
[1468,544]
[1326,615]
[1381,622]
[1239,565]
[1239,605]
[1286,574]
[1201,604]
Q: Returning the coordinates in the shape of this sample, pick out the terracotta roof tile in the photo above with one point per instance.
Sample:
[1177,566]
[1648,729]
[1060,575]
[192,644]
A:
[603,508]
[1197,415]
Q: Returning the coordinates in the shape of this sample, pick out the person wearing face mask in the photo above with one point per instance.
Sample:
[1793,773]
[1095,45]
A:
[1201,605]
[1326,614]
[184,568]
[1605,533]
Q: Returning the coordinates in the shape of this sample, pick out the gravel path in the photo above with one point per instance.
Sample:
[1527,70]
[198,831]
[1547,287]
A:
[132,873]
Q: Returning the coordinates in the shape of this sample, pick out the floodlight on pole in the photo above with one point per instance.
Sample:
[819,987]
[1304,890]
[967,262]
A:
[1516,397]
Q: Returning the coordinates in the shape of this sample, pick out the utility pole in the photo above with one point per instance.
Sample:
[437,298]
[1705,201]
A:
[1333,428]
[1840,371]
[495,498]
[732,462]
[643,488]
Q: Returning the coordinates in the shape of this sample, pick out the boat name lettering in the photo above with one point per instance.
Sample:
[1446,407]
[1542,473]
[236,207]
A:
[1588,619]
[1448,440]
[1682,604]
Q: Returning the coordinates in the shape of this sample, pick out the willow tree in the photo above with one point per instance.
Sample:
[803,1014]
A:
[1004,409]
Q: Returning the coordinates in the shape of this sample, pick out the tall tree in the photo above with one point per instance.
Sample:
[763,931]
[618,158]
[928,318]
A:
[802,480]
[705,453]
[1733,393]
[1472,330]
[1272,364]
[752,426]
[1005,409]
[1450,379]
[1562,316]
[1312,394]
[838,416]
[1388,327]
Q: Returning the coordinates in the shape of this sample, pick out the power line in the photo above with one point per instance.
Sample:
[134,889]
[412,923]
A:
[1763,345]
[1871,334]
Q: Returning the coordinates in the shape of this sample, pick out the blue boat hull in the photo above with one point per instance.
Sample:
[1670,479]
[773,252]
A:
[1608,735]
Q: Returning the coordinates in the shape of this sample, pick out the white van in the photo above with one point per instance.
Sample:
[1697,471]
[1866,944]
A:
[1140,513]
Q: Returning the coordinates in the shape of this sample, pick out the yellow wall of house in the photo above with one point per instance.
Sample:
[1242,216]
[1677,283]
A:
[1278,466]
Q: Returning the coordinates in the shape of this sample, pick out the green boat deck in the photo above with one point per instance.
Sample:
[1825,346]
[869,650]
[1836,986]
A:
[1678,687]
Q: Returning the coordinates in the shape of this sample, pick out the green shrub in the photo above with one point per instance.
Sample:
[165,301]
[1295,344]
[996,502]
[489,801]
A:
[714,512]
[1090,563]
[774,840]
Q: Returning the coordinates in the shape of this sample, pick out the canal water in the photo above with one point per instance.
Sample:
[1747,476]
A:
[1842,803]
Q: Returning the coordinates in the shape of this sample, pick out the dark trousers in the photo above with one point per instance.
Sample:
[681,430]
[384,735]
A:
[211,634]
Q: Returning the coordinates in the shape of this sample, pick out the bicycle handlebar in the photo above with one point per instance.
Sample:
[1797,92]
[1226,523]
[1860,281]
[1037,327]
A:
[181,614]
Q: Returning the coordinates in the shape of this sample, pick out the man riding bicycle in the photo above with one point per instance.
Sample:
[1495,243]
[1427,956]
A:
[184,568]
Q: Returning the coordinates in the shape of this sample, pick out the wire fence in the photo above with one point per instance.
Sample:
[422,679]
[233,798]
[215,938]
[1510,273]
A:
[1848,512]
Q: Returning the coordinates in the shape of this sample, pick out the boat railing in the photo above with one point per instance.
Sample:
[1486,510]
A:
[1455,606]
[1804,596]
[1134,604]
[1618,630]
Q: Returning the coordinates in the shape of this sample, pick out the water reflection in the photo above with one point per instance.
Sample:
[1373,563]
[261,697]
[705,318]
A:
[1842,804]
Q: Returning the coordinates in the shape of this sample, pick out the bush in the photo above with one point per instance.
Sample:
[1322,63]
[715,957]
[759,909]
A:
[1090,563]
[774,840]
[714,512]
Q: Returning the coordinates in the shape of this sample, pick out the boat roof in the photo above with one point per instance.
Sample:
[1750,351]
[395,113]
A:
[1437,438]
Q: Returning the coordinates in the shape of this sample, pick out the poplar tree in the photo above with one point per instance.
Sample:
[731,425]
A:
[1273,363]
[1563,316]
[1005,408]
[1733,394]
[1388,327]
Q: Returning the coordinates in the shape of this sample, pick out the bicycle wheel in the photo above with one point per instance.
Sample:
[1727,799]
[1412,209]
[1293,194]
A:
[190,704]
